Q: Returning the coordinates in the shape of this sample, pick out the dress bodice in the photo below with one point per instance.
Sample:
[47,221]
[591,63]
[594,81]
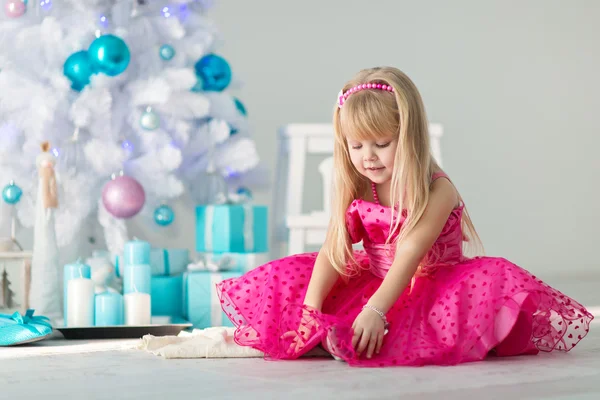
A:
[370,222]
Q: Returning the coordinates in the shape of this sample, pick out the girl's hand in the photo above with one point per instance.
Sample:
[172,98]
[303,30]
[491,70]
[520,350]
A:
[369,329]
[299,337]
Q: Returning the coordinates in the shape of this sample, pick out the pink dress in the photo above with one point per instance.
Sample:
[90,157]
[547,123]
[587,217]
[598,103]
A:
[457,309]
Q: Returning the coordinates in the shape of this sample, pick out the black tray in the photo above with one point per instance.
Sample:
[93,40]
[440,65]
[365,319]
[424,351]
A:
[160,326]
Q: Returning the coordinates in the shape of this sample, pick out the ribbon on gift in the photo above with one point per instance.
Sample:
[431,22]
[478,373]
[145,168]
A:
[225,263]
[248,230]
[248,227]
[232,198]
[221,198]
[209,216]
[28,318]
[166,262]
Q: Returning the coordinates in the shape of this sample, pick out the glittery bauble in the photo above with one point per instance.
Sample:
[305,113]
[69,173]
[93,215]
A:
[167,52]
[164,215]
[149,120]
[11,193]
[78,68]
[109,54]
[14,8]
[123,197]
[214,72]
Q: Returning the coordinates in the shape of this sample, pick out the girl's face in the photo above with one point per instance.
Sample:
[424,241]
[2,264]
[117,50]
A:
[373,159]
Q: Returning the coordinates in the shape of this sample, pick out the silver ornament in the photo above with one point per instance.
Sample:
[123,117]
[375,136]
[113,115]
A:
[150,120]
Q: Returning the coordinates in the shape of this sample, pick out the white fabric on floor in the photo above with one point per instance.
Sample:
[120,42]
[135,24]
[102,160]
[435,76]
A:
[215,342]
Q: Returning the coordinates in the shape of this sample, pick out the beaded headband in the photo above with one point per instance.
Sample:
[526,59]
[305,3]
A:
[377,86]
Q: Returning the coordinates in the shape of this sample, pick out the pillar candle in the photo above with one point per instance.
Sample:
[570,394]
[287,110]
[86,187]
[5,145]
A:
[109,310]
[137,309]
[80,305]
[72,271]
[136,252]
[137,278]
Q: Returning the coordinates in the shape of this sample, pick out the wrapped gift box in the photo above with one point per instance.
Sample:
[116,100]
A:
[162,262]
[167,295]
[231,229]
[178,261]
[202,306]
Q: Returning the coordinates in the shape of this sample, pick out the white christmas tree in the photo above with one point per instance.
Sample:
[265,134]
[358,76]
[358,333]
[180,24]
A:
[121,87]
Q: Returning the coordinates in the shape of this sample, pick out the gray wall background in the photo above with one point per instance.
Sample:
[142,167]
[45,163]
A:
[515,84]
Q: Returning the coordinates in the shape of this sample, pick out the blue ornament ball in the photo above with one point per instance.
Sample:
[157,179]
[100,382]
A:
[167,52]
[214,72]
[245,192]
[11,193]
[109,54]
[240,106]
[164,215]
[150,120]
[79,69]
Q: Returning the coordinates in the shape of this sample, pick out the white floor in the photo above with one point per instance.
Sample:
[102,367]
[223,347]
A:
[59,369]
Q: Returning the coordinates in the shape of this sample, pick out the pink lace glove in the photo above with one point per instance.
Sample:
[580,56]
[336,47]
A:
[307,328]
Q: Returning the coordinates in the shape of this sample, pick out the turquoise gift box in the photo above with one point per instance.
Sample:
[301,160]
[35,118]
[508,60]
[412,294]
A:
[231,228]
[169,261]
[162,262]
[202,306]
[167,295]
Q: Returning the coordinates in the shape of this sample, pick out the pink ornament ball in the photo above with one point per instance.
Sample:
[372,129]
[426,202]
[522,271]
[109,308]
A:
[14,8]
[123,197]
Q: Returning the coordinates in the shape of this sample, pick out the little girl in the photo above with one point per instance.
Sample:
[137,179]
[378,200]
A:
[412,297]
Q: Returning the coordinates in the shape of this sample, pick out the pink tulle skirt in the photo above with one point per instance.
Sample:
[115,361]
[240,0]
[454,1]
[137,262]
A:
[458,314]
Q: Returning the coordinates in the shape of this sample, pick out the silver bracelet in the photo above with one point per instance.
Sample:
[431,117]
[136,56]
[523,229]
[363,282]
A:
[386,324]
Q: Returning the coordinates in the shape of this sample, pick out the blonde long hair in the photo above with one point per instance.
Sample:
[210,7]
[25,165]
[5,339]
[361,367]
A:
[373,115]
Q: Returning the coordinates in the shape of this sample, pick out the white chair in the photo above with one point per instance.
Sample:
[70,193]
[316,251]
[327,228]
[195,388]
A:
[291,225]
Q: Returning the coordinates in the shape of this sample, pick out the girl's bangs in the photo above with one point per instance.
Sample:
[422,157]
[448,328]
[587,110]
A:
[367,116]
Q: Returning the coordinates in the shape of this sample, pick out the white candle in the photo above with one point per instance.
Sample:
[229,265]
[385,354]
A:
[138,310]
[80,302]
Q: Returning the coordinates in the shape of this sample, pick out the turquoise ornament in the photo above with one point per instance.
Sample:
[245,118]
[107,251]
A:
[214,72]
[109,54]
[164,215]
[167,52]
[244,192]
[79,69]
[11,193]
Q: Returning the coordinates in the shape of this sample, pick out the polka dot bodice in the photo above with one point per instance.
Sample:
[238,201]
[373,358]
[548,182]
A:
[370,222]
